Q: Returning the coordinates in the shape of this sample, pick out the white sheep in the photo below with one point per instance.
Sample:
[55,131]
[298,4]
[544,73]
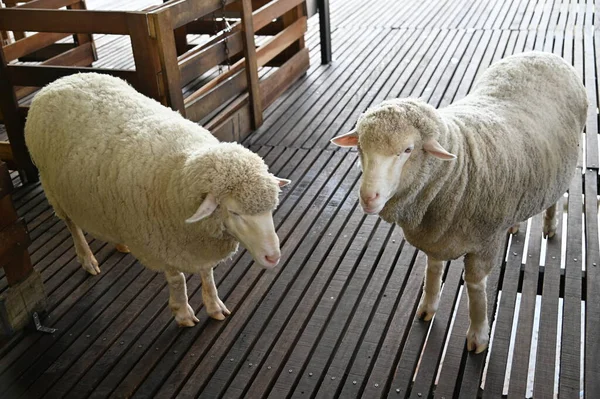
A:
[132,172]
[513,143]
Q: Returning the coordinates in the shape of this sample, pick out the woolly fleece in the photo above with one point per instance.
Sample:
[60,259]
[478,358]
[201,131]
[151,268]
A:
[128,170]
[516,137]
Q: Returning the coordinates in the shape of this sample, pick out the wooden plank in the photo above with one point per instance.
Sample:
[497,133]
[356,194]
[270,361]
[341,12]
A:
[146,58]
[201,62]
[570,348]
[85,39]
[48,52]
[200,109]
[427,369]
[64,21]
[592,302]
[251,65]
[273,86]
[264,54]
[31,44]
[522,349]
[40,75]
[50,4]
[13,236]
[184,12]
[13,122]
[494,379]
[171,77]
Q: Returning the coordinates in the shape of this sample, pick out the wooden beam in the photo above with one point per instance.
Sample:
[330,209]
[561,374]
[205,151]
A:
[183,12]
[47,52]
[168,60]
[84,38]
[210,102]
[47,4]
[13,122]
[41,75]
[64,21]
[146,58]
[31,43]
[251,64]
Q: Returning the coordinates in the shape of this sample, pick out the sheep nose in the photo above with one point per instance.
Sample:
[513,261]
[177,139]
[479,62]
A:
[371,198]
[272,258]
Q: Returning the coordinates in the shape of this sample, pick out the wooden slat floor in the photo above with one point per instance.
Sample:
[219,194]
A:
[336,318]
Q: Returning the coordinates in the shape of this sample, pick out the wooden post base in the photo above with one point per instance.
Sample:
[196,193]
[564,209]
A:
[18,303]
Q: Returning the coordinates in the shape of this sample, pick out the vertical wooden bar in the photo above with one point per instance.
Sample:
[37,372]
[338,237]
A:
[251,64]
[181,40]
[325,31]
[145,54]
[171,75]
[82,38]
[15,124]
[288,19]
[15,259]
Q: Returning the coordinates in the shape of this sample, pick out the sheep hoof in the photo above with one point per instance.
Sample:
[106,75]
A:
[478,339]
[514,229]
[186,317]
[124,249]
[548,232]
[221,312]
[426,310]
[90,265]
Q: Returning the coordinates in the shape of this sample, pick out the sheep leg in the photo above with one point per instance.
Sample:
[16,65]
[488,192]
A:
[431,289]
[84,253]
[550,222]
[214,306]
[477,267]
[178,299]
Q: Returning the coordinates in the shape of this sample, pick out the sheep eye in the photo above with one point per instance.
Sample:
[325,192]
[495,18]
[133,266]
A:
[408,150]
[234,213]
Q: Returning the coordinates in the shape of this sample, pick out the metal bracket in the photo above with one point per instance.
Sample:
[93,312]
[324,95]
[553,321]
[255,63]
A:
[40,327]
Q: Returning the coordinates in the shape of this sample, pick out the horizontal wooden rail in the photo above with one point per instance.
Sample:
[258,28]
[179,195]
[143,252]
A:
[50,4]
[41,75]
[203,61]
[278,82]
[185,11]
[64,21]
[263,54]
[204,106]
[30,44]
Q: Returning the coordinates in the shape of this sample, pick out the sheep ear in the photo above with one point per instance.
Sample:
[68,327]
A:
[435,149]
[346,140]
[282,182]
[207,207]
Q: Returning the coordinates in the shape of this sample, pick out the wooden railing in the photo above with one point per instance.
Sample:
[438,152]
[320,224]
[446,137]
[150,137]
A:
[230,104]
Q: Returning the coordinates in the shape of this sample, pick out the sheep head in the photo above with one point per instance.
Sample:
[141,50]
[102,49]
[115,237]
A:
[394,139]
[243,195]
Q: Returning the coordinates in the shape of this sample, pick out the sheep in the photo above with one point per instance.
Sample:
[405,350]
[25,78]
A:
[136,174]
[455,179]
